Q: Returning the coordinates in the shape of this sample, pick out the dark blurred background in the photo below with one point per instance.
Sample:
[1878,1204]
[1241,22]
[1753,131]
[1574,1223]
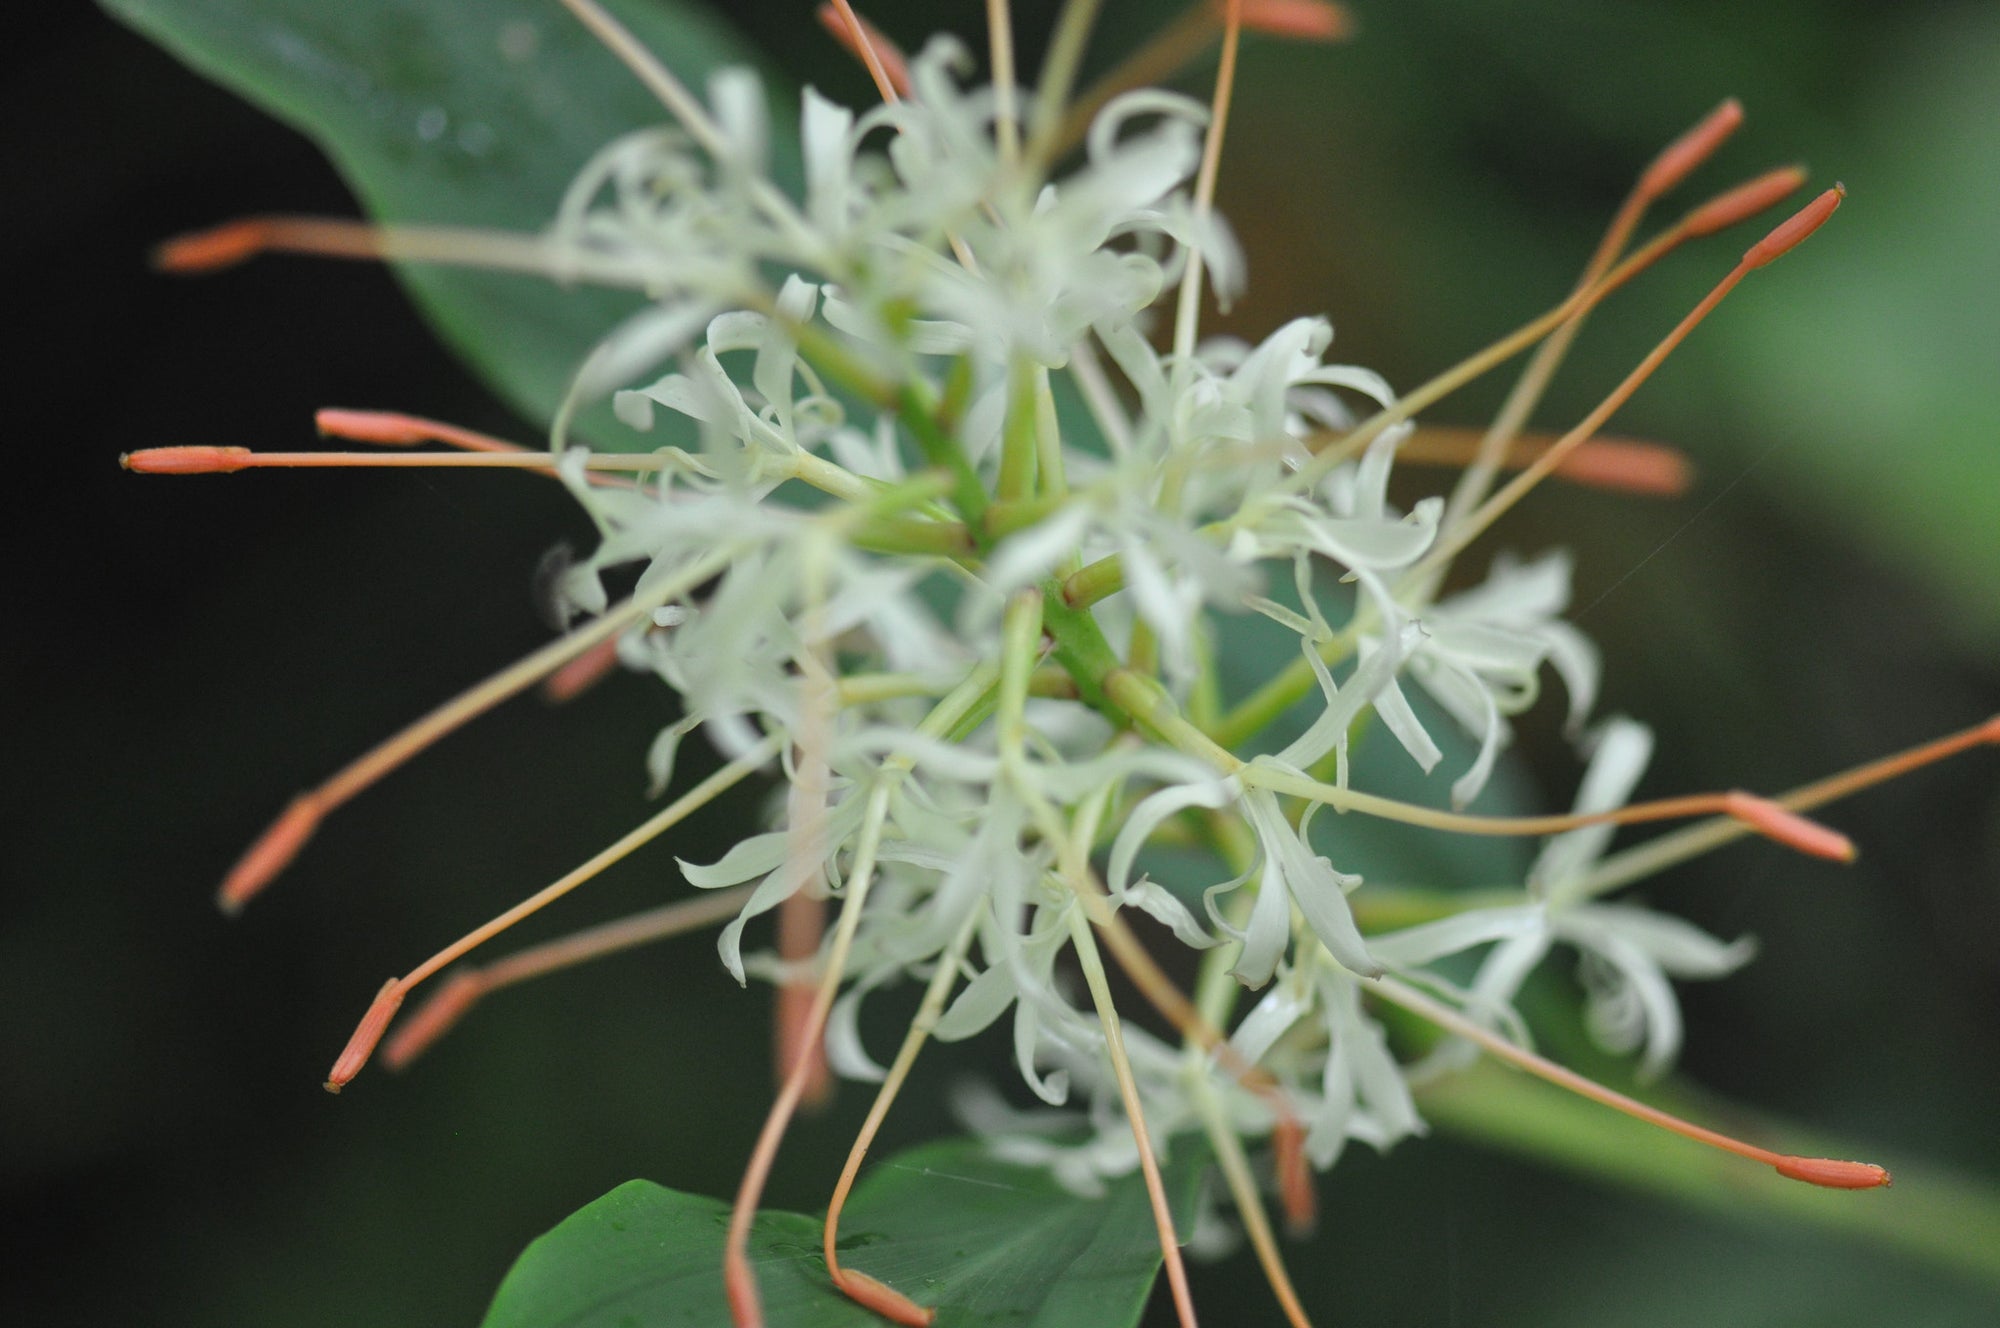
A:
[182,656]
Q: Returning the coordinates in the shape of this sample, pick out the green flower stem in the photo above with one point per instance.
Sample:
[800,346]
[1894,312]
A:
[1934,1215]
[1048,438]
[1080,648]
[1205,694]
[1004,516]
[1144,656]
[1020,650]
[1101,580]
[1279,693]
[940,449]
[913,535]
[1148,703]
[1018,447]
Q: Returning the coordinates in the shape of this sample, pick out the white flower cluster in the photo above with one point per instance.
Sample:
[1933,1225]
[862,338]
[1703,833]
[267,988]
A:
[949,399]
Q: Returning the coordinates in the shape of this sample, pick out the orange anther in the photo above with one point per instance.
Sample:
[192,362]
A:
[1744,201]
[1990,730]
[1788,827]
[186,460]
[1300,20]
[582,673]
[272,852]
[895,67]
[1679,158]
[219,247]
[885,1300]
[1833,1173]
[1629,467]
[1297,1194]
[1794,230]
[434,1018]
[366,1035]
[371,426]
[391,429]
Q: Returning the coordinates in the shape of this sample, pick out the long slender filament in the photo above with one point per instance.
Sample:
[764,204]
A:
[1830,1173]
[648,830]
[928,1011]
[1243,1192]
[279,844]
[1667,170]
[1128,1091]
[459,992]
[1655,855]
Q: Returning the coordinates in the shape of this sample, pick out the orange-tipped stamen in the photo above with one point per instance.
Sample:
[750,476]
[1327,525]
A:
[1622,465]
[392,429]
[925,1019]
[1792,232]
[434,1018]
[1812,1170]
[219,247]
[275,848]
[234,242]
[873,1294]
[644,833]
[1762,815]
[1772,821]
[271,853]
[362,1044]
[1743,202]
[801,925]
[1780,241]
[882,58]
[187,460]
[1658,854]
[1088,585]
[1297,1195]
[745,1306]
[661,821]
[1832,1173]
[581,674]
[1667,170]
[1680,158]
[464,989]
[227,460]
[1422,397]
[1296,20]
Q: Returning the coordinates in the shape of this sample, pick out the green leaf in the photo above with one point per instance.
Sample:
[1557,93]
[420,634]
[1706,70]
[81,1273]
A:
[461,114]
[984,1241]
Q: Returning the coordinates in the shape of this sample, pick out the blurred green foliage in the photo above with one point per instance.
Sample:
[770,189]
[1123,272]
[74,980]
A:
[186,654]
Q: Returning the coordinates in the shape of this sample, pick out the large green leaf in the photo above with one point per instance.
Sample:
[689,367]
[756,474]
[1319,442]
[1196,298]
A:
[464,114]
[984,1241]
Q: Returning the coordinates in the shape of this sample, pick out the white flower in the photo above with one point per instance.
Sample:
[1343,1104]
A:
[1628,953]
